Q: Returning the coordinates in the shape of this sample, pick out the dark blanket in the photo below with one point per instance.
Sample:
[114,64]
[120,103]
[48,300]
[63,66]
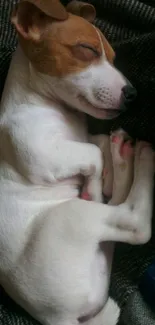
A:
[130,27]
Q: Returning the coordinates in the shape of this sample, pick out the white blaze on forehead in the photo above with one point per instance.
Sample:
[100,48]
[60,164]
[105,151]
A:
[100,38]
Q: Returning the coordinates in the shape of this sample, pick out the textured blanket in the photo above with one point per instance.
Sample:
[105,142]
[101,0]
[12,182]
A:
[130,27]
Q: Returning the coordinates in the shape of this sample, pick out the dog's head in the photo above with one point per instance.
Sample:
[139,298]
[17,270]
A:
[73,55]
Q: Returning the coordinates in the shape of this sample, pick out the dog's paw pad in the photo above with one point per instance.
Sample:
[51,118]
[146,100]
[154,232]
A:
[115,139]
[126,149]
[85,196]
[121,146]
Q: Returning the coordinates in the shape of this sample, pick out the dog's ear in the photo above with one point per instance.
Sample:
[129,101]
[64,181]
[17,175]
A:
[82,9]
[30,17]
[109,52]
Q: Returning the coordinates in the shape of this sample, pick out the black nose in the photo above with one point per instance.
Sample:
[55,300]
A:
[129,93]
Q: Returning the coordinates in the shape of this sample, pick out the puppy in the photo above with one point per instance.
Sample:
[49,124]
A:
[52,261]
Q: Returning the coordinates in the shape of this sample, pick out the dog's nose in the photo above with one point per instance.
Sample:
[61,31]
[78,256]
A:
[129,93]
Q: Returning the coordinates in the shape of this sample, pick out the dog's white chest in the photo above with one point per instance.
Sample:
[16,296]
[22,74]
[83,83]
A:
[69,125]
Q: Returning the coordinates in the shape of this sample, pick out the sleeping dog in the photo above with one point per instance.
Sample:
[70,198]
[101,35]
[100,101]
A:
[55,255]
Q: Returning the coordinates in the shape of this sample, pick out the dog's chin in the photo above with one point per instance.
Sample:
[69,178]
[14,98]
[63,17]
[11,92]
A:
[96,112]
[104,114]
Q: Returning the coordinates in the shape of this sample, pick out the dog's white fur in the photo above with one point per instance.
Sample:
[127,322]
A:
[50,262]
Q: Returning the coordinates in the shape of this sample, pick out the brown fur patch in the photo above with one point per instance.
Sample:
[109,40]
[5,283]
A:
[58,48]
[52,8]
[109,52]
[82,9]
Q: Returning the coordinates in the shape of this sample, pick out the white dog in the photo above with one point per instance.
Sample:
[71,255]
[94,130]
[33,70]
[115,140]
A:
[51,260]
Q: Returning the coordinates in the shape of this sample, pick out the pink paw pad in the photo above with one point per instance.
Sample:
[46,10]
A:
[86,196]
[126,149]
[115,139]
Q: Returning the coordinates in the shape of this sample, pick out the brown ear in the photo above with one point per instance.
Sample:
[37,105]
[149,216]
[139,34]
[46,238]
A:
[109,52]
[82,9]
[30,16]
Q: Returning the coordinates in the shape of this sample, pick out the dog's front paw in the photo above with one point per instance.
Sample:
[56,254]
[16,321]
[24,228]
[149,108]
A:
[92,190]
[103,142]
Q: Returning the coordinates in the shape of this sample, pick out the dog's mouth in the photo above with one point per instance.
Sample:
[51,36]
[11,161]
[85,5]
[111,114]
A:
[98,112]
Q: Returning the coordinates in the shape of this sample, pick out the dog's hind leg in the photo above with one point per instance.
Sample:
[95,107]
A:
[57,320]
[130,221]
[138,205]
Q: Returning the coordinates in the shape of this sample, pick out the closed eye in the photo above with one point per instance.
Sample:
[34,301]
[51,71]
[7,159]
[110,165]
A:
[89,47]
[85,52]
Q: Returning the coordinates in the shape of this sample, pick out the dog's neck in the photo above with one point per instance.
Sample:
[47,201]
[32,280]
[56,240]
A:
[47,88]
[42,84]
